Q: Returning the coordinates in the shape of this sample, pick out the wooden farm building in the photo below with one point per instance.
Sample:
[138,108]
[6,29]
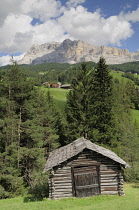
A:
[83,169]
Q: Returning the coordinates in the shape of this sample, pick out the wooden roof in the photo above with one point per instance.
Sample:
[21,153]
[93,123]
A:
[62,154]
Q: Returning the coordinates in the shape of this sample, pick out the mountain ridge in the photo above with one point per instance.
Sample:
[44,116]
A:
[76,51]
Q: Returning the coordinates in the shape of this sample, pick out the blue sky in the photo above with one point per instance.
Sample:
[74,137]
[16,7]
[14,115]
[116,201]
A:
[24,23]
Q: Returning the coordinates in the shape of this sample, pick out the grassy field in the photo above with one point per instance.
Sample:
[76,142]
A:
[58,94]
[135,115]
[118,75]
[105,202]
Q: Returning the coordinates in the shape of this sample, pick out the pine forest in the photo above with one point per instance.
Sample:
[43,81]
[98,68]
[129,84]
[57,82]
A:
[99,106]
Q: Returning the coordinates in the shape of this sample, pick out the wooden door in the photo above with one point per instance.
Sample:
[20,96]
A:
[86,181]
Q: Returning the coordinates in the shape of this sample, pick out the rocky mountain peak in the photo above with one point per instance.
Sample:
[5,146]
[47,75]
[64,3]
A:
[76,51]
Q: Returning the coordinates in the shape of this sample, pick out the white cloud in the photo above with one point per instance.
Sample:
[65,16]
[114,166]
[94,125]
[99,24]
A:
[5,60]
[74,21]
[43,9]
[18,35]
[74,3]
[93,28]
[131,16]
[8,7]
[48,32]
[13,27]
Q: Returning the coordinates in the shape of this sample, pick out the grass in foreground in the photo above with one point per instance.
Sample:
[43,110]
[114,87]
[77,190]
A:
[105,202]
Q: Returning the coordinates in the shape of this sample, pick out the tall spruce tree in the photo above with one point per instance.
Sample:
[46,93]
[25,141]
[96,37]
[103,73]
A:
[78,104]
[101,117]
[89,105]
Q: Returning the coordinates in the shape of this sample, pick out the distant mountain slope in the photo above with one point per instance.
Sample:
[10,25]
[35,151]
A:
[76,51]
[127,67]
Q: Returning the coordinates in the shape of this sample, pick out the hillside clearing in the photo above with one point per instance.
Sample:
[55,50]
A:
[58,94]
[135,115]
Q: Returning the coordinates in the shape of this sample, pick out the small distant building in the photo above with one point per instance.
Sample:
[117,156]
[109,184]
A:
[84,169]
[47,84]
[66,86]
[55,85]
[52,85]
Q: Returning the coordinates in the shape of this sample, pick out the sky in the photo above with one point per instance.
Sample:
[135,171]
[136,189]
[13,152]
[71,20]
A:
[24,23]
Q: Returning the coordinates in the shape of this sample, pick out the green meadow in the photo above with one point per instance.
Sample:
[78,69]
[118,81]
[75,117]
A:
[58,94]
[118,75]
[103,202]
[135,115]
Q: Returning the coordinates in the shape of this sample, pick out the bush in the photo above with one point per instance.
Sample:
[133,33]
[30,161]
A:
[132,174]
[38,190]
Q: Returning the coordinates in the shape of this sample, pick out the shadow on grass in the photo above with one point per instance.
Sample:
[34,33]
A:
[31,198]
[135,186]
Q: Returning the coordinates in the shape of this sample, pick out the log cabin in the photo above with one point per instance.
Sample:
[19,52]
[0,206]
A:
[84,169]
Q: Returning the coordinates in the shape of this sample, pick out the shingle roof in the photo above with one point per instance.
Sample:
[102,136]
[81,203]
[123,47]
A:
[62,154]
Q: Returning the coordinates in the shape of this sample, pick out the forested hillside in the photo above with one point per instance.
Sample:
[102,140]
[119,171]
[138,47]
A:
[127,67]
[64,72]
[31,124]
[52,72]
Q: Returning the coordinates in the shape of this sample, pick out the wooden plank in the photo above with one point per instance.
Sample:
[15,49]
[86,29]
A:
[63,169]
[62,187]
[109,181]
[62,178]
[108,175]
[62,181]
[87,186]
[110,192]
[57,196]
[63,174]
[109,184]
[87,162]
[84,169]
[108,169]
[112,188]
[109,178]
[108,172]
[67,190]
[62,192]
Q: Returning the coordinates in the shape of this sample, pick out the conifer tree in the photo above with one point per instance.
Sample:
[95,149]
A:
[28,131]
[89,104]
[15,90]
[78,104]
[101,116]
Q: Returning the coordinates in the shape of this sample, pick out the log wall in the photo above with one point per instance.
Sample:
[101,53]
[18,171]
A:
[110,175]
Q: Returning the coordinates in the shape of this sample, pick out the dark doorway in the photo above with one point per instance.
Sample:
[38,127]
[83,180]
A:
[86,181]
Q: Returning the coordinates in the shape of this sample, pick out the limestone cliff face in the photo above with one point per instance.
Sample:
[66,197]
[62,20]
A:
[76,51]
